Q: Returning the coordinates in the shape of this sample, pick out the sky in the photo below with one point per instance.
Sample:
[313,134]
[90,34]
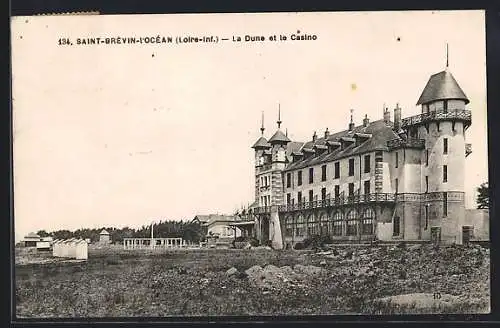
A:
[123,135]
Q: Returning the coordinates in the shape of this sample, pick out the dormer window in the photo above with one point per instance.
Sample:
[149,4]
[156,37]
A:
[333,145]
[346,142]
[361,137]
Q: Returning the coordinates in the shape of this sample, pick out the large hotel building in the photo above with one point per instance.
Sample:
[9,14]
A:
[399,179]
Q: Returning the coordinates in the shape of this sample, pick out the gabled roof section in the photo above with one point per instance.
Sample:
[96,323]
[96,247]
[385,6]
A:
[104,232]
[380,134]
[279,137]
[261,143]
[32,235]
[441,86]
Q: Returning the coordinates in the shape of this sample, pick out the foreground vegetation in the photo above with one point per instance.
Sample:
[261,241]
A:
[114,282]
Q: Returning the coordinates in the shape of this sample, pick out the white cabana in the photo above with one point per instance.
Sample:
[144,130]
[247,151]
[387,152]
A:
[81,250]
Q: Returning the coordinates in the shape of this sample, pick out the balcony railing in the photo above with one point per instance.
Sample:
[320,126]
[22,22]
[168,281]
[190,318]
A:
[264,188]
[454,114]
[408,143]
[265,167]
[262,210]
[340,201]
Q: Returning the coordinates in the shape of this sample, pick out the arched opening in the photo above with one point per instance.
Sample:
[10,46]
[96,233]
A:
[337,224]
[289,226]
[367,221]
[325,229]
[300,227]
[312,225]
[352,223]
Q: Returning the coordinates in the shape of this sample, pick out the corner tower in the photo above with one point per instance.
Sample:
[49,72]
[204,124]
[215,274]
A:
[442,124]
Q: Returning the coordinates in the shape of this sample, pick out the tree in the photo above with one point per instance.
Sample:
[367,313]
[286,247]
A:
[43,233]
[483,196]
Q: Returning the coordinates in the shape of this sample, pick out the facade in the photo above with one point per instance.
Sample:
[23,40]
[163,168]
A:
[400,179]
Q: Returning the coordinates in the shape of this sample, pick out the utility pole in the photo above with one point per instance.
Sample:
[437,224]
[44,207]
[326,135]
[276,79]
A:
[152,240]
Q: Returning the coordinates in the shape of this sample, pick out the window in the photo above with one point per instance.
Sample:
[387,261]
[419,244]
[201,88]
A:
[352,223]
[397,159]
[366,187]
[337,224]
[378,156]
[299,178]
[337,191]
[323,193]
[288,199]
[395,226]
[299,197]
[367,222]
[300,228]
[337,170]
[445,173]
[351,189]
[311,195]
[396,185]
[427,157]
[323,173]
[445,146]
[288,180]
[351,167]
[445,106]
[445,204]
[367,164]
[311,174]
[324,224]
[289,226]
[312,225]
[426,183]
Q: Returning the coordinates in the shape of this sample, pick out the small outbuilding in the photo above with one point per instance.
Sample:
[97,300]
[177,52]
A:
[104,237]
[43,245]
[31,239]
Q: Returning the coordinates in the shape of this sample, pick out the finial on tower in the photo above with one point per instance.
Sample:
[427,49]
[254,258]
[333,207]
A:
[262,124]
[352,111]
[447,55]
[286,132]
[279,116]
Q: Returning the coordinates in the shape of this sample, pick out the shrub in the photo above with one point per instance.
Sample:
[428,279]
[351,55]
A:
[317,241]
[299,246]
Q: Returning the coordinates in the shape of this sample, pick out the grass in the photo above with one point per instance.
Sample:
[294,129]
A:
[117,283]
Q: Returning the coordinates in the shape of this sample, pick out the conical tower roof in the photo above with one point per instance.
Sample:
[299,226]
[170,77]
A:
[279,137]
[442,86]
[261,143]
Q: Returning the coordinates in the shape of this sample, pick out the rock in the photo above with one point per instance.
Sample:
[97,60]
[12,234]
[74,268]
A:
[252,270]
[232,271]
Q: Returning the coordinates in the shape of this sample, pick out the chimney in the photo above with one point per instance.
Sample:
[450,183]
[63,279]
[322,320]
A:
[366,121]
[387,115]
[327,133]
[314,136]
[351,123]
[397,118]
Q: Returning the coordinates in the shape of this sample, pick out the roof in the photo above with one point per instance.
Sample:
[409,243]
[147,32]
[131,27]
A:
[32,235]
[212,218]
[261,143]
[278,137]
[380,134]
[104,232]
[242,223]
[440,86]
